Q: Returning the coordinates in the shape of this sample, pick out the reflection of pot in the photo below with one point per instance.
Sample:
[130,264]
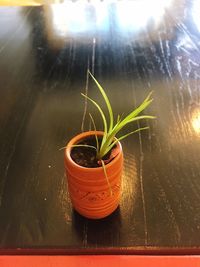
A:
[88,187]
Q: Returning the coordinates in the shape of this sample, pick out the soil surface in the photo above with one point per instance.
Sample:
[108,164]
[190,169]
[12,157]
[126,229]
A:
[86,156]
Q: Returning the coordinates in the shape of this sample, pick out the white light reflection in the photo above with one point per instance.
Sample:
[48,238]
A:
[69,17]
[196,13]
[82,16]
[135,15]
[196,120]
[101,10]
[79,17]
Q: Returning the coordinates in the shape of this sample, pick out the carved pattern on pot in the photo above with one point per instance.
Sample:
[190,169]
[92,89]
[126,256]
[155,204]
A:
[98,196]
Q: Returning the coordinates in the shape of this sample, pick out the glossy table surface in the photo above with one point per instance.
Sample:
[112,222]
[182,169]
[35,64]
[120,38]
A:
[132,48]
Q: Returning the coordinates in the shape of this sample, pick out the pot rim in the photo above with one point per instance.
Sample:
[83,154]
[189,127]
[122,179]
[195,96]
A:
[81,136]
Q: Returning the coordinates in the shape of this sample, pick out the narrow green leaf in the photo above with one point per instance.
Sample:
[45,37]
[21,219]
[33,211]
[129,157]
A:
[105,173]
[100,110]
[109,139]
[127,121]
[126,135]
[103,118]
[106,100]
[94,125]
[116,129]
[139,109]
[62,148]
[129,118]
[123,137]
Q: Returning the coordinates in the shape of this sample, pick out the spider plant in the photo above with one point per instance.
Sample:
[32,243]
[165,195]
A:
[111,128]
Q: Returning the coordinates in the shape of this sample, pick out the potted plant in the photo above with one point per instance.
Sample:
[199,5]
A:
[94,161]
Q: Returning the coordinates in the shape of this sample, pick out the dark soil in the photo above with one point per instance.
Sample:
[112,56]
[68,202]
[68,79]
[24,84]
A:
[86,156]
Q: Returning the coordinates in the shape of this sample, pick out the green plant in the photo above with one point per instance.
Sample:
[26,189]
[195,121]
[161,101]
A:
[111,129]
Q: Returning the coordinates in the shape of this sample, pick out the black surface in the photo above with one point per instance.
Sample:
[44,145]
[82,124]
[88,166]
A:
[41,77]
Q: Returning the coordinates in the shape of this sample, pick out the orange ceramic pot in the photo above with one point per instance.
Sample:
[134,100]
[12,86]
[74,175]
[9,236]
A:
[88,187]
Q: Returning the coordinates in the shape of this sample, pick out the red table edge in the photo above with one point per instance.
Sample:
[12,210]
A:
[100,260]
[107,257]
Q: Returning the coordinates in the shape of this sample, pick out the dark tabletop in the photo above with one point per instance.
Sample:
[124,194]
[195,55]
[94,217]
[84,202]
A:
[132,49]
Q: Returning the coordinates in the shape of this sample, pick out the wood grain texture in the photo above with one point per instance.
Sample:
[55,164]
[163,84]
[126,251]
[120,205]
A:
[43,70]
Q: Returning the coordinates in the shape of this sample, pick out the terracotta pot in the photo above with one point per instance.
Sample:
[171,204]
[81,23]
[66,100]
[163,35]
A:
[88,188]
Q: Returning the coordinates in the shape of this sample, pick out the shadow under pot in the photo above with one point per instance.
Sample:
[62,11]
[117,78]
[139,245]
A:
[94,191]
